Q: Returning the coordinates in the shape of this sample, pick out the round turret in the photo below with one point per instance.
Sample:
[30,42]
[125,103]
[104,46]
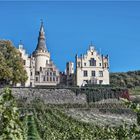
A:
[41,54]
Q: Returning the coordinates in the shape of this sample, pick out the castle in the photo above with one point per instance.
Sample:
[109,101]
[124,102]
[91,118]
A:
[40,69]
[91,68]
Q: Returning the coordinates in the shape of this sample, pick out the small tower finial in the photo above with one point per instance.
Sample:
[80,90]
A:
[20,42]
[41,27]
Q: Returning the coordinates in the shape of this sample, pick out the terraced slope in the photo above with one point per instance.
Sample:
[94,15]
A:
[54,124]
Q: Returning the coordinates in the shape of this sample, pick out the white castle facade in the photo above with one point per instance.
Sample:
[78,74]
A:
[91,68]
[40,69]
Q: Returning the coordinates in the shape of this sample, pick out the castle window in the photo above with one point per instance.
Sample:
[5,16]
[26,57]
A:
[46,61]
[91,53]
[53,78]
[105,65]
[50,78]
[47,73]
[51,73]
[100,64]
[37,73]
[100,73]
[31,73]
[36,79]
[78,64]
[84,64]
[56,78]
[47,78]
[85,74]
[92,62]
[93,74]
[54,73]
[24,62]
[40,68]
[44,78]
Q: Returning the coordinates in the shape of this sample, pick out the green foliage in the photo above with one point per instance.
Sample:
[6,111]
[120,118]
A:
[40,122]
[51,123]
[136,108]
[97,93]
[125,79]
[32,132]
[135,91]
[11,64]
[10,124]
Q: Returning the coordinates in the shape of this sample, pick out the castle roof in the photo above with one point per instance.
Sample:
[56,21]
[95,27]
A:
[41,45]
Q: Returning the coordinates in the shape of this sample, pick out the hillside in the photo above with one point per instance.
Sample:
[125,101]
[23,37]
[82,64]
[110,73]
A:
[128,79]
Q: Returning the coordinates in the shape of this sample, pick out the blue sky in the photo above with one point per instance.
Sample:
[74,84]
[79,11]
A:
[113,27]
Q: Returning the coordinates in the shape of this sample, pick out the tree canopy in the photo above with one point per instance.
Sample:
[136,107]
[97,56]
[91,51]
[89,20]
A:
[125,79]
[12,70]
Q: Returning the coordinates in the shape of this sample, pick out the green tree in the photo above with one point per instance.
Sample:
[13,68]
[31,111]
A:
[11,64]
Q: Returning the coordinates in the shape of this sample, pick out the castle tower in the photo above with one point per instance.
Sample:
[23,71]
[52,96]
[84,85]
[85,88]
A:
[41,54]
[26,63]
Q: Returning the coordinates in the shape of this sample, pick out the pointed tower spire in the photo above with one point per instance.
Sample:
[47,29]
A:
[42,27]
[41,45]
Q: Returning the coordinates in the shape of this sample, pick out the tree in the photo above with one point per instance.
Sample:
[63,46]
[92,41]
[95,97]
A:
[11,64]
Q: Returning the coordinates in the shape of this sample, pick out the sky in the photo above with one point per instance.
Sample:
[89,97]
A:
[70,26]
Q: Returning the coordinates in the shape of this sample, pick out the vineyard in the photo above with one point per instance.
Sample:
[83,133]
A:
[39,121]
[54,124]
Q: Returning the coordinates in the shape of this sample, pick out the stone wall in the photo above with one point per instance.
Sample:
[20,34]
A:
[51,96]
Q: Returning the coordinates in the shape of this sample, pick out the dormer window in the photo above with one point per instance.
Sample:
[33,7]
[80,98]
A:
[92,62]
